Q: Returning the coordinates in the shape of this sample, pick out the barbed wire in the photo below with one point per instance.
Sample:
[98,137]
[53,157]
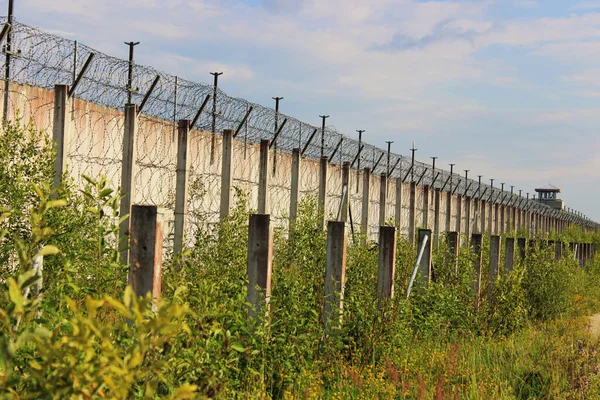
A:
[42,59]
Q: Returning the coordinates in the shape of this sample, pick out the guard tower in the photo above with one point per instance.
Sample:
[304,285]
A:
[548,195]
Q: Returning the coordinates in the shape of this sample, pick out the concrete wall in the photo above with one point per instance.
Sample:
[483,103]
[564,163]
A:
[94,147]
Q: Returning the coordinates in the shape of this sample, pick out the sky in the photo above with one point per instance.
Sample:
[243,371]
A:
[509,89]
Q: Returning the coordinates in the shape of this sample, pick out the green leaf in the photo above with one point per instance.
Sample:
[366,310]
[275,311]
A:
[16,297]
[56,203]
[88,179]
[128,296]
[27,279]
[186,391]
[92,210]
[106,192]
[118,306]
[92,305]
[238,347]
[38,191]
[48,250]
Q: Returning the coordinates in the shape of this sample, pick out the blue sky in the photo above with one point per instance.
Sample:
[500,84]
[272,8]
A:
[506,88]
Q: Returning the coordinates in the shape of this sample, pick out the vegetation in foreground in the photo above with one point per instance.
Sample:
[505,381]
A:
[85,335]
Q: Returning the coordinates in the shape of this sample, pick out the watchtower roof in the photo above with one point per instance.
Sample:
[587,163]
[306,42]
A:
[548,188]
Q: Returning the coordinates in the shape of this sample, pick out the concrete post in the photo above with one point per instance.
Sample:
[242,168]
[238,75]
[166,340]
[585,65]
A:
[145,254]
[323,190]
[345,190]
[364,223]
[263,178]
[588,252]
[513,219]
[387,263]
[127,175]
[425,265]
[382,199]
[295,186]
[522,249]
[398,210]
[412,211]
[453,242]
[60,129]
[502,219]
[459,213]
[482,209]
[335,274]
[475,215]
[226,173]
[558,250]
[476,239]
[181,195]
[426,207]
[496,218]
[468,231]
[509,255]
[259,264]
[490,221]
[494,260]
[449,211]
[436,218]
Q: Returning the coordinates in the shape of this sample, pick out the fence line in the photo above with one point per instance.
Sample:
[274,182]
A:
[44,60]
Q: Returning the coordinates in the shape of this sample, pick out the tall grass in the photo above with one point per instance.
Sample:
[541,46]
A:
[525,339]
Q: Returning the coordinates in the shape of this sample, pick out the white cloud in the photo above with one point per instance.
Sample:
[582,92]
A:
[579,53]
[404,64]
[587,78]
[186,66]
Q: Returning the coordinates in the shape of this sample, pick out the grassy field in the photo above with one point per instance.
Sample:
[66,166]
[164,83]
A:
[87,336]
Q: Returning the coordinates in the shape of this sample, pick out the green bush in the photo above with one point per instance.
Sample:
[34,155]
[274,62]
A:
[76,340]
[548,285]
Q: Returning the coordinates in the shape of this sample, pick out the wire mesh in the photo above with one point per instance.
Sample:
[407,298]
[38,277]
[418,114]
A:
[40,60]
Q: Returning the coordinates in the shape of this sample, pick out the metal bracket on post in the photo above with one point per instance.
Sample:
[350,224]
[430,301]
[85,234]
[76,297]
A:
[394,167]
[483,194]
[277,133]
[241,125]
[445,183]
[434,179]
[84,69]
[467,189]
[7,26]
[197,116]
[457,185]
[422,176]
[357,155]
[310,138]
[337,147]
[148,93]
[377,163]
[407,172]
